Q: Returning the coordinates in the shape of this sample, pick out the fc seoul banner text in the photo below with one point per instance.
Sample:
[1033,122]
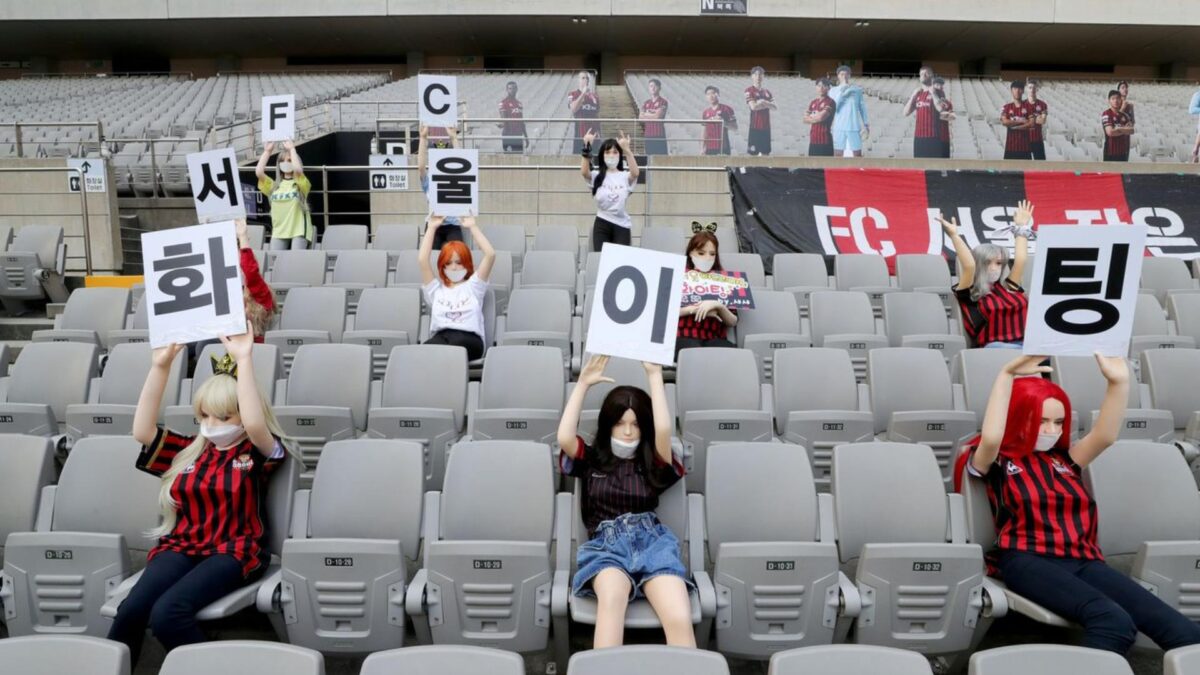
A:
[886,212]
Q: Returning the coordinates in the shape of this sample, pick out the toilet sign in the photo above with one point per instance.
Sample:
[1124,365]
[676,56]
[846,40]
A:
[437,100]
[388,173]
[279,118]
[1084,290]
[92,175]
[635,312]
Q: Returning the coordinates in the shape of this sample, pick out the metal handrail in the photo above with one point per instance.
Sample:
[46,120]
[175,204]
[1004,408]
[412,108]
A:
[87,235]
[637,132]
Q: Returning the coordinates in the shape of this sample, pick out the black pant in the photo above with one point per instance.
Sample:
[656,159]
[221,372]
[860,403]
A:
[1017,154]
[690,343]
[1111,607]
[758,142]
[603,231]
[927,147]
[1117,158]
[944,149]
[459,338]
[446,233]
[656,146]
[513,143]
[172,590]
[1038,148]
[820,149]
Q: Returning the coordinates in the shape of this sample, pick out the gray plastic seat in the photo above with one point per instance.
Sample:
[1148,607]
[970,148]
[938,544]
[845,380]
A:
[922,584]
[1163,274]
[443,660]
[1171,375]
[665,238]
[1184,308]
[924,273]
[865,272]
[338,238]
[845,320]
[242,657]
[750,264]
[913,402]
[480,560]
[28,463]
[422,398]
[89,316]
[356,271]
[773,324]
[395,239]
[296,269]
[268,369]
[1182,661]
[1161,543]
[113,397]
[257,234]
[500,281]
[1081,378]
[767,606]
[718,399]
[623,372]
[849,660]
[56,654]
[800,274]
[647,660]
[136,328]
[345,565]
[1152,330]
[60,573]
[550,269]
[43,381]
[819,418]
[407,273]
[919,320]
[33,268]
[386,318]
[977,370]
[530,411]
[324,397]
[1047,660]
[556,238]
[538,317]
[310,316]
[510,238]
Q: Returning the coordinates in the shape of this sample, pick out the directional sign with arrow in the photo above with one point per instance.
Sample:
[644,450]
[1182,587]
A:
[388,173]
[93,174]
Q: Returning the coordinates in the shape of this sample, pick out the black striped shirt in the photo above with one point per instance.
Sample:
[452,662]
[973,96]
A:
[623,490]
[998,316]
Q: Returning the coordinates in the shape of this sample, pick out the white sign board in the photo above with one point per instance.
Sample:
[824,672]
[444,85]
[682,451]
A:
[453,182]
[93,175]
[279,118]
[193,288]
[216,188]
[395,148]
[437,100]
[635,312]
[388,173]
[1084,290]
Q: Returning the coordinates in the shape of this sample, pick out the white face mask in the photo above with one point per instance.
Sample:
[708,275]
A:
[456,275]
[622,449]
[1045,442]
[285,167]
[612,162]
[702,264]
[993,276]
[223,436]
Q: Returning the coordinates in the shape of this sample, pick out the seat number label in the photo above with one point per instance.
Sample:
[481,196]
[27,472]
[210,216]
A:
[488,564]
[729,426]
[62,554]
[339,562]
[781,565]
[927,567]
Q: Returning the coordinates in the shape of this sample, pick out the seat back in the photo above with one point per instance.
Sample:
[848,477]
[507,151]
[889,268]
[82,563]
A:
[921,270]
[394,237]
[242,657]
[913,314]
[332,375]
[1148,316]
[978,369]
[792,270]
[104,465]
[320,308]
[1046,660]
[774,312]
[48,654]
[41,240]
[549,268]
[99,309]
[299,267]
[344,238]
[796,370]
[408,272]
[541,310]
[28,467]
[126,370]
[1085,384]
[54,374]
[904,379]
[556,238]
[515,479]
[396,309]
[849,660]
[268,367]
[750,264]
[527,412]
[361,267]
[441,371]
[1185,307]
[1172,375]
[1121,478]
[509,238]
[668,239]
[1161,274]
[443,659]
[840,312]
[647,660]
[854,270]
[386,474]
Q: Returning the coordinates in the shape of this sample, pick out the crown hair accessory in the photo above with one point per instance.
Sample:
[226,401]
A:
[224,365]
[697,228]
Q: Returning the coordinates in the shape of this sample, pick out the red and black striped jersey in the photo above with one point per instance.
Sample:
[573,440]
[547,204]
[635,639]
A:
[819,132]
[759,119]
[655,105]
[927,115]
[1040,505]
[1037,107]
[1018,139]
[712,131]
[588,110]
[998,316]
[1115,146]
[943,126]
[624,489]
[511,109]
[221,499]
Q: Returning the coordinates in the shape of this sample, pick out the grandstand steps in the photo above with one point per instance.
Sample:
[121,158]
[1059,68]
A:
[615,103]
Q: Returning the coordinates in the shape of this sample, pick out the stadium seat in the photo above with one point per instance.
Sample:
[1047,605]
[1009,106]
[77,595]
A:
[520,395]
[33,267]
[136,327]
[407,273]
[1182,661]
[443,659]
[338,238]
[819,417]
[800,274]
[58,575]
[343,570]
[295,269]
[477,561]
[1162,275]
[750,264]
[538,317]
[919,320]
[844,319]
[257,234]
[1171,376]
[324,397]
[977,369]
[849,660]
[1081,378]
[865,272]
[773,324]
[556,238]
[647,660]
[356,271]
[1047,660]
[28,467]
[924,273]
[56,654]
[310,316]
[394,239]
[89,316]
[718,399]
[665,238]
[36,402]
[242,657]
[1184,308]
[550,269]
[894,517]
[268,369]
[113,397]
[1152,330]
[510,238]
[422,398]
[774,551]
[623,372]
[386,318]
[913,402]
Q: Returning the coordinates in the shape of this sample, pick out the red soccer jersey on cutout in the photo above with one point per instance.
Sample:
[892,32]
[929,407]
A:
[819,132]
[511,109]
[760,119]
[1037,107]
[654,105]
[712,132]
[1018,139]
[589,110]
[1114,146]
[927,115]
[943,126]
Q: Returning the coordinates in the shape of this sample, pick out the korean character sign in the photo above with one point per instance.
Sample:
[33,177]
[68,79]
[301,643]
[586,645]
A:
[1084,290]
[635,313]
[454,182]
[193,288]
[732,289]
[216,188]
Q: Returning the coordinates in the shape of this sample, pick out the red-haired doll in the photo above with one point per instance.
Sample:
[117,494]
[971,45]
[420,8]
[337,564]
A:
[455,294]
[1046,548]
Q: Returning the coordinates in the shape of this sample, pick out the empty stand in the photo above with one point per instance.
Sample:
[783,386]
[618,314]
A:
[113,397]
[310,316]
[54,654]
[773,324]
[90,315]
[919,320]
[844,319]
[1081,378]
[386,318]
[538,317]
[28,463]
[358,270]
[520,396]
[37,404]
[33,267]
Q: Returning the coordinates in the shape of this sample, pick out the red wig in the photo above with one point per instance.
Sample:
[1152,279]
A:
[1024,421]
[464,256]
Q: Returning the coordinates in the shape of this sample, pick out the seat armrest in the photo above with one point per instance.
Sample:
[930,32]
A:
[501,325]
[1026,607]
[431,523]
[696,534]
[864,397]
[707,592]
[827,523]
[116,596]
[956,523]
[766,399]
[265,600]
[959,394]
[563,512]
[851,600]
[280,392]
[234,602]
[376,400]
[560,594]
[472,406]
[299,526]
[997,599]
[414,597]
[45,512]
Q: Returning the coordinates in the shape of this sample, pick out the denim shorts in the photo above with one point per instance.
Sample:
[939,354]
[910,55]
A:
[635,543]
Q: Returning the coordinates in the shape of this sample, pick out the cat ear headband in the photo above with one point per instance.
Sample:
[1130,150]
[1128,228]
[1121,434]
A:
[697,228]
